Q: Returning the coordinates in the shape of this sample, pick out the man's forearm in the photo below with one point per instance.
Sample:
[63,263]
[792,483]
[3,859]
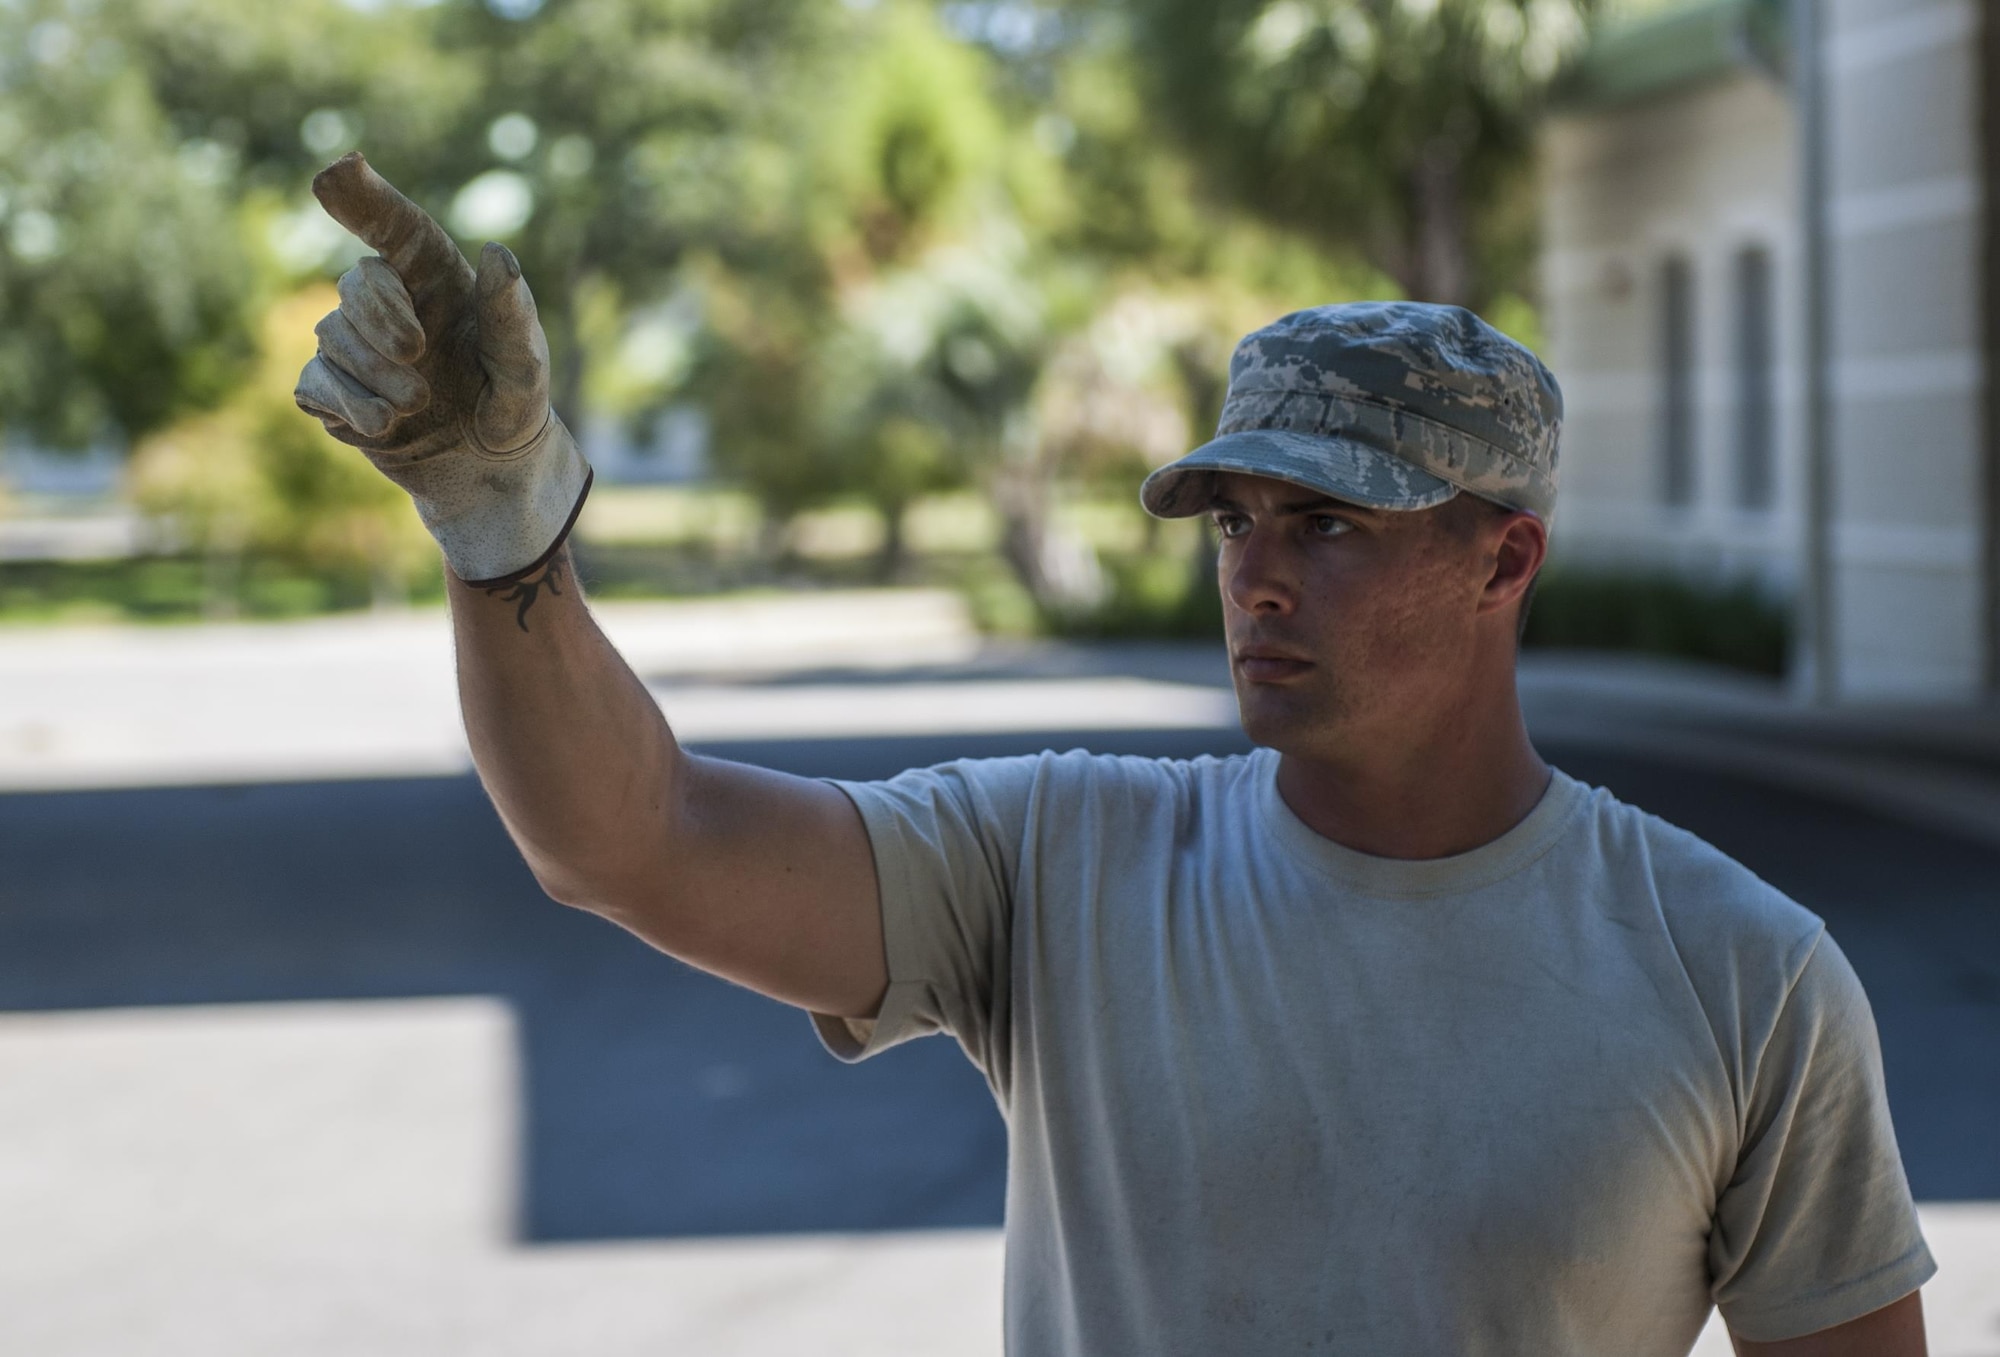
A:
[752,874]
[438,373]
[571,746]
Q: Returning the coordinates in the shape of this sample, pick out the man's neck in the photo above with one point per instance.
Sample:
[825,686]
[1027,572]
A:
[1446,792]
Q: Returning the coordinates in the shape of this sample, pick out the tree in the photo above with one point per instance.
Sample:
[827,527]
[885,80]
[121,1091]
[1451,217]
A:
[615,139]
[926,384]
[124,292]
[1393,126]
[251,475]
[142,142]
[886,247]
[932,335]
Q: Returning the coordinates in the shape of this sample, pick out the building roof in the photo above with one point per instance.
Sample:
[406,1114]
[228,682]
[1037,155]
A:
[1670,49]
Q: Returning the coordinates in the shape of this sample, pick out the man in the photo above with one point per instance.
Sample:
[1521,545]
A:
[1385,1039]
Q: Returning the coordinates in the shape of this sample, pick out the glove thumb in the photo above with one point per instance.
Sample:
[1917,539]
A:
[513,352]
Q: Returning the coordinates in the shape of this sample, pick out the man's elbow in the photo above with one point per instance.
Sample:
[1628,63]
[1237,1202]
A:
[567,887]
[611,890]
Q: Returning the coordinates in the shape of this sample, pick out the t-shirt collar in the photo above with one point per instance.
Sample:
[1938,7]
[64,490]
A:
[1459,873]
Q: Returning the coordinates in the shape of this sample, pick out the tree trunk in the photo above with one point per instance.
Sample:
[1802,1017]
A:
[222,568]
[1022,501]
[1060,571]
[774,539]
[566,382]
[895,547]
[1440,263]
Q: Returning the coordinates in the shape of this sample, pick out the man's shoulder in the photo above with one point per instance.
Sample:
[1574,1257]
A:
[1729,926]
[1072,786]
[1082,770]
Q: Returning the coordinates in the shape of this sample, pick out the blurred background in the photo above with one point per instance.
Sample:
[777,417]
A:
[871,316]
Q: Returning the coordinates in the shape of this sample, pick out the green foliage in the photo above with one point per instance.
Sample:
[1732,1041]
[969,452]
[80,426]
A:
[1738,624]
[885,249]
[124,292]
[1129,196]
[254,476]
[910,330]
[272,92]
[1151,596]
[184,589]
[911,137]
[1377,125]
[755,371]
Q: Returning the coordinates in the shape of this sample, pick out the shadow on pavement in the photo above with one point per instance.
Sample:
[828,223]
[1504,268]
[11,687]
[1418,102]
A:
[660,1101]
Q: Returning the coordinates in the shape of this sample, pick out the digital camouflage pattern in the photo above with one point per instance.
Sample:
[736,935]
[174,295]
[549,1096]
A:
[1396,405]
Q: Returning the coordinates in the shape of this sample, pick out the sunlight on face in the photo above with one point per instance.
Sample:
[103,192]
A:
[1341,620]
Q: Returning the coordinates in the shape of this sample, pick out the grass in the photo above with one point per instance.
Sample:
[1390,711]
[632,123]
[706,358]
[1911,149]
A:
[669,515]
[168,589]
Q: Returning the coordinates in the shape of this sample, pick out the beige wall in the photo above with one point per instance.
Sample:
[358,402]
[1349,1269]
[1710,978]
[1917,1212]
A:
[1706,169]
[1907,427]
[1702,174]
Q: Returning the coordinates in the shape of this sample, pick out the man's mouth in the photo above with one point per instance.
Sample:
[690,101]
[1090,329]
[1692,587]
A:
[1268,664]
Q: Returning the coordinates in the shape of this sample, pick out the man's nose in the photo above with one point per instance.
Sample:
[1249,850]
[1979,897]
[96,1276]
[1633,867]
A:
[1258,577]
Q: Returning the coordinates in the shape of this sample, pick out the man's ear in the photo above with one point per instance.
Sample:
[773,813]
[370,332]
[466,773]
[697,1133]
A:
[1516,547]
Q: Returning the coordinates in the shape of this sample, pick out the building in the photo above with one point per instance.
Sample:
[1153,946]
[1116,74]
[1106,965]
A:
[1675,294]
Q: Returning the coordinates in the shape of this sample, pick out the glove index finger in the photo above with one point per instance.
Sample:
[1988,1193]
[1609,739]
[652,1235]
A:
[405,235]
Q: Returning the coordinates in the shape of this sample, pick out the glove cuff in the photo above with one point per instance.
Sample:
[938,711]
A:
[500,519]
[555,545]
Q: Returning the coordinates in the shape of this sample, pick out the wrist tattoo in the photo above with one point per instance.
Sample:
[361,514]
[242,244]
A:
[526,591]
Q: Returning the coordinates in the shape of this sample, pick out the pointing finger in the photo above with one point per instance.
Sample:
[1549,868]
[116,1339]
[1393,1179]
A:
[414,245]
[375,300]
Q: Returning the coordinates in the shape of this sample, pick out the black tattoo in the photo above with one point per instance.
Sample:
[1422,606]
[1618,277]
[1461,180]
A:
[526,591]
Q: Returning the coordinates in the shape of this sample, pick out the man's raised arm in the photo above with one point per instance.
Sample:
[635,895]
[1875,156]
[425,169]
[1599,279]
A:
[439,374]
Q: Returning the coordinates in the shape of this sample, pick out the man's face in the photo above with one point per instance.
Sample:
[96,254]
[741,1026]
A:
[1342,621]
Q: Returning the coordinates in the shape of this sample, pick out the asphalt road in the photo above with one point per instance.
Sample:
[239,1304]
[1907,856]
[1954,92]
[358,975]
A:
[659,1101]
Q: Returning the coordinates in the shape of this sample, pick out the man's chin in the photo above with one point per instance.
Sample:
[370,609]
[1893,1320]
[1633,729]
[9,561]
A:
[1278,718]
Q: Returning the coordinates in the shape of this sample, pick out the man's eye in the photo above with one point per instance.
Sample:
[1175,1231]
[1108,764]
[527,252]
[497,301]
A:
[1229,525]
[1326,525]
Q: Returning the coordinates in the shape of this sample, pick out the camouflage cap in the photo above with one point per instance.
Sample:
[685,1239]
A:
[1396,405]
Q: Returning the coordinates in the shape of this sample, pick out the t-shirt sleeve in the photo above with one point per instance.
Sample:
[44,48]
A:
[1817,1226]
[947,844]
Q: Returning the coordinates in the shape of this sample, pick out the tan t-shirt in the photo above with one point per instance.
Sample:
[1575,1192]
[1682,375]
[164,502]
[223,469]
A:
[1269,1095]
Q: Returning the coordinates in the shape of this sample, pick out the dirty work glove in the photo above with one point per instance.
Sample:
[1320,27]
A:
[440,375]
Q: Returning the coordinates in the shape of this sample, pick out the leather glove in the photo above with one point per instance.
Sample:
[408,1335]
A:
[440,375]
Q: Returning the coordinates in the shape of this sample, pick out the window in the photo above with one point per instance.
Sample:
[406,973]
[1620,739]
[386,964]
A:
[1756,425]
[1677,414]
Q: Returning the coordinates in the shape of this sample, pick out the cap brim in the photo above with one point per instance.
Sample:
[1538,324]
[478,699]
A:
[1341,468]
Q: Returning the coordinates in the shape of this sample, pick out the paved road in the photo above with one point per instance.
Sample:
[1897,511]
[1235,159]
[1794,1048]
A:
[660,1102]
